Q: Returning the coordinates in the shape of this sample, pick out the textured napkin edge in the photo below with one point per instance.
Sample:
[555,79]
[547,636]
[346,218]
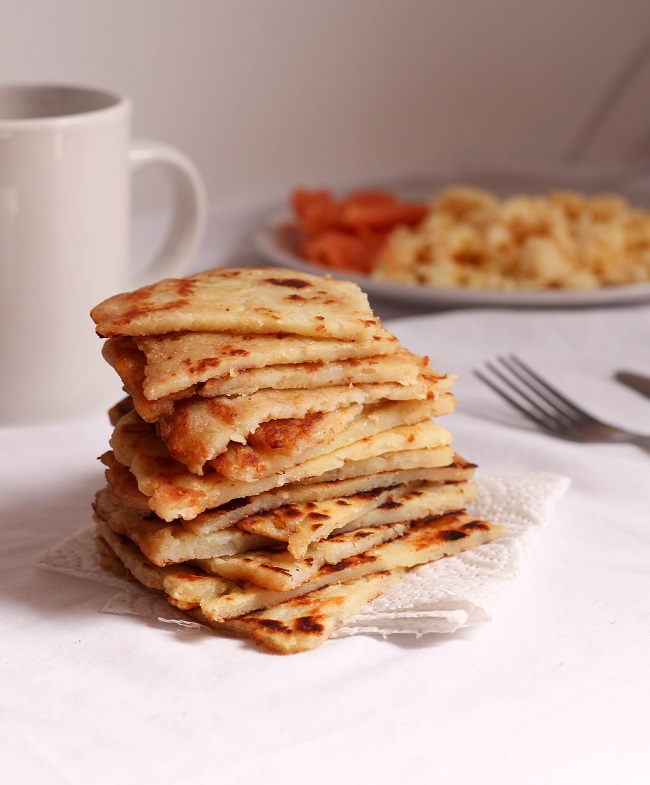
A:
[440,597]
[467,588]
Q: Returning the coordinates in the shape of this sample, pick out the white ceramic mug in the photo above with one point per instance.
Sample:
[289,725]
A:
[66,159]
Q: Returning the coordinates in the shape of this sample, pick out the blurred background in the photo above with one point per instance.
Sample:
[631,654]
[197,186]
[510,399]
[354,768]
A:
[267,94]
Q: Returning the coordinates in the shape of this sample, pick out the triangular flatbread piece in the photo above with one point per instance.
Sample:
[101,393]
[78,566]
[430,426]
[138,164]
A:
[175,492]
[170,543]
[298,440]
[424,542]
[174,362]
[306,622]
[276,569]
[250,300]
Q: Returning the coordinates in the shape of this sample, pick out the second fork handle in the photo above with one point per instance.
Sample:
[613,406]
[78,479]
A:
[641,441]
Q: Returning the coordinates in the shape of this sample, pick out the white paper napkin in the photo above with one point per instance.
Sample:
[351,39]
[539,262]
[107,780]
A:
[438,597]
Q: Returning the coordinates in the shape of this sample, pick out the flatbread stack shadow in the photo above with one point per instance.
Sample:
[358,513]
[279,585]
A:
[276,464]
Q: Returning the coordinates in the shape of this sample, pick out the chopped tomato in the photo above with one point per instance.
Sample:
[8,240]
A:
[347,234]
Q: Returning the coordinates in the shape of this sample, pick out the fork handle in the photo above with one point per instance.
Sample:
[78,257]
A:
[641,441]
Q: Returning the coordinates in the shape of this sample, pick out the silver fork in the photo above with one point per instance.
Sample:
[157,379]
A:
[553,412]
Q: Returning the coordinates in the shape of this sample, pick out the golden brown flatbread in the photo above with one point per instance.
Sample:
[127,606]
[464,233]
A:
[184,582]
[297,525]
[169,543]
[219,600]
[275,568]
[423,542]
[157,383]
[144,571]
[265,300]
[125,488]
[177,493]
[248,463]
[397,367]
[302,525]
[426,458]
[174,362]
[306,622]
[200,429]
[293,436]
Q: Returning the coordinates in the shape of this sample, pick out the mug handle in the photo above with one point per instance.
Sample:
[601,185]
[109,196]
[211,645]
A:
[190,209]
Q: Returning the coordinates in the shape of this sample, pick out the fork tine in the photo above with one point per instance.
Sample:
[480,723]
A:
[563,419]
[574,411]
[535,403]
[543,423]
[520,384]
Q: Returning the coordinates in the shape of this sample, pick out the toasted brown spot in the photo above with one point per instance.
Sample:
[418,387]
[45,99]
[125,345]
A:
[480,525]
[361,534]
[360,558]
[182,495]
[296,297]
[274,568]
[337,567]
[235,504]
[275,625]
[316,526]
[250,460]
[204,364]
[343,503]
[368,495]
[282,434]
[222,411]
[308,624]
[461,463]
[147,307]
[452,534]
[294,283]
[318,516]
[268,311]
[390,505]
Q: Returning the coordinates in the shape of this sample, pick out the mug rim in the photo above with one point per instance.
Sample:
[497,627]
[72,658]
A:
[110,101]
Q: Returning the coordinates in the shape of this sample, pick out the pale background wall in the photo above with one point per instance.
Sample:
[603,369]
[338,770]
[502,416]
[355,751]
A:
[264,94]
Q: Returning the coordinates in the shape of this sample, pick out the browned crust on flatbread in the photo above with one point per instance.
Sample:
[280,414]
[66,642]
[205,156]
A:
[429,540]
[181,304]
[125,487]
[288,435]
[306,622]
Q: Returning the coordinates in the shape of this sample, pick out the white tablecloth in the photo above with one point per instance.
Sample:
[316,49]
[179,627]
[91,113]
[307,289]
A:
[556,688]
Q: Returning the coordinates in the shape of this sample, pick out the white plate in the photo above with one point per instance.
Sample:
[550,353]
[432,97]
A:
[276,240]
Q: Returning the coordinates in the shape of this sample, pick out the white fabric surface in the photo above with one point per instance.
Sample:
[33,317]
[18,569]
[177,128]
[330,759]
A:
[555,688]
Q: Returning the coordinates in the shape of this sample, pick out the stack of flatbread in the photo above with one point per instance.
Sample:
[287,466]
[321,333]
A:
[275,465]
